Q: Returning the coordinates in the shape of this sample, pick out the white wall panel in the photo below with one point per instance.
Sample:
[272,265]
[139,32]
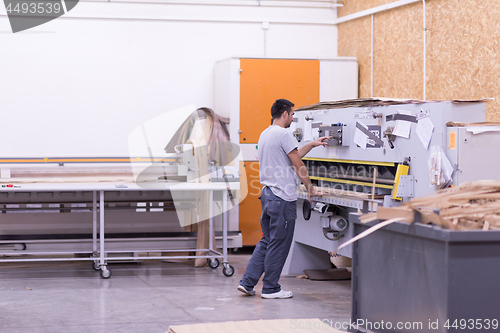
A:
[78,86]
[338,79]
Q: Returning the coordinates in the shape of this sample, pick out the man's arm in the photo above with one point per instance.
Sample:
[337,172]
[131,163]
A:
[307,148]
[301,171]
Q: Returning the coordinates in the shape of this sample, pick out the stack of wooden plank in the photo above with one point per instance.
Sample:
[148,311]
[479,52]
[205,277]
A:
[373,101]
[470,206]
[461,124]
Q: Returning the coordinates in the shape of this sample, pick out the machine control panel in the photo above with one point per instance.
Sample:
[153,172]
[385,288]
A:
[339,133]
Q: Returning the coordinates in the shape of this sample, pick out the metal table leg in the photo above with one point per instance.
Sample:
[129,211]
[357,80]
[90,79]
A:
[228,270]
[224,226]
[211,220]
[212,262]
[105,272]
[95,263]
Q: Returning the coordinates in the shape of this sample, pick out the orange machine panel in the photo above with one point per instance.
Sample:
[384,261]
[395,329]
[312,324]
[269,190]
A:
[262,81]
[250,209]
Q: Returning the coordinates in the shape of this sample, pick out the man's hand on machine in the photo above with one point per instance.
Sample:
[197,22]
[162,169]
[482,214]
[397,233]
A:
[312,192]
[321,141]
[318,142]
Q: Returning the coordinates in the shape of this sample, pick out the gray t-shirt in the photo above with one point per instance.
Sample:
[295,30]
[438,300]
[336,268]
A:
[276,171]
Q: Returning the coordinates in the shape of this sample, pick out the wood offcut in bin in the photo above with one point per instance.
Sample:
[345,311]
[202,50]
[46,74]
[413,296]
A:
[470,206]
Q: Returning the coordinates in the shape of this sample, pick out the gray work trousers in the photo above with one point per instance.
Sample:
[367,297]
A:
[277,222]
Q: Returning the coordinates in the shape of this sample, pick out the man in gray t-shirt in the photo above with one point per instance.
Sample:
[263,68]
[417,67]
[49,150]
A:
[276,169]
[280,162]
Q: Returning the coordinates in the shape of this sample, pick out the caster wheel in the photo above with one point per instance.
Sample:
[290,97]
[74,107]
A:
[105,273]
[95,266]
[235,250]
[228,270]
[213,263]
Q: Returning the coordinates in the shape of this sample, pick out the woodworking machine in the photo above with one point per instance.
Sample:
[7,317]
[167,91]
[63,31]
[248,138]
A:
[391,169]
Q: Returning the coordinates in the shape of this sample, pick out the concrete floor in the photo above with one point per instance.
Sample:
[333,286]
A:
[148,297]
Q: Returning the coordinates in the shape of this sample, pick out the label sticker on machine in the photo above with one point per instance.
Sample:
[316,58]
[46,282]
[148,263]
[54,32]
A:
[377,132]
[373,133]
[317,112]
[423,114]
[363,115]
[452,144]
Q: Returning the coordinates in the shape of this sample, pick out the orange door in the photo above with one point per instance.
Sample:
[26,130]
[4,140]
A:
[250,209]
[262,81]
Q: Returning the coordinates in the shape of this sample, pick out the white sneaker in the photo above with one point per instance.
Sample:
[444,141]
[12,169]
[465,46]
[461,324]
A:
[279,294]
[250,292]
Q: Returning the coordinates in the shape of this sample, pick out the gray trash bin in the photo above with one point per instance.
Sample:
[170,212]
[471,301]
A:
[421,278]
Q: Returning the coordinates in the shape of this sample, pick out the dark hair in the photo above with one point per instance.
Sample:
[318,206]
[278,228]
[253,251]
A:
[280,106]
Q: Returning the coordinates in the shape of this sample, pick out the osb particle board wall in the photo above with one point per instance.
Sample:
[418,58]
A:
[462,45]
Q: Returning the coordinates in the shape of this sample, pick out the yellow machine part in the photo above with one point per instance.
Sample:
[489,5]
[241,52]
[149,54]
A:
[402,170]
